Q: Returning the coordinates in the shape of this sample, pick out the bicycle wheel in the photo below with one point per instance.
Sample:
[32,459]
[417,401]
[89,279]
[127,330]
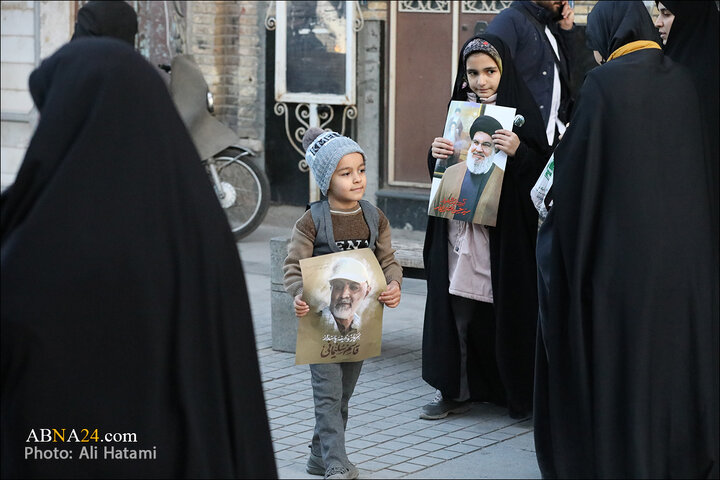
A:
[246,188]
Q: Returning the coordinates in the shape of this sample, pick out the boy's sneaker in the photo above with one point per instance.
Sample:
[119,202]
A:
[440,407]
[315,465]
[342,472]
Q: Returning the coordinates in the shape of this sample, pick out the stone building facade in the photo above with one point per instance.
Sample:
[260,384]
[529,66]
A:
[30,31]
[233,42]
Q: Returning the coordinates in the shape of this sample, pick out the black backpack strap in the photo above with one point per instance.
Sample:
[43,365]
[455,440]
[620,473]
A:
[372,218]
[324,236]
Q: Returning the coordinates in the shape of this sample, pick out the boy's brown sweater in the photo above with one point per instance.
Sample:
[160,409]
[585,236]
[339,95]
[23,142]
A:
[351,232]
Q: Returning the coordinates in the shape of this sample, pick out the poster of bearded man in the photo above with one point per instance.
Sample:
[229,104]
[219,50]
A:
[345,319]
[466,186]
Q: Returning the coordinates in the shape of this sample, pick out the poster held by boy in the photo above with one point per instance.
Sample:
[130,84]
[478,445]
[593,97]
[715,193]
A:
[345,318]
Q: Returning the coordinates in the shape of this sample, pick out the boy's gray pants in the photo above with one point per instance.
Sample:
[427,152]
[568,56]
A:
[333,385]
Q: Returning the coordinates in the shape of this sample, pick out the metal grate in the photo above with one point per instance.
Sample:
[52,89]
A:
[424,7]
[484,6]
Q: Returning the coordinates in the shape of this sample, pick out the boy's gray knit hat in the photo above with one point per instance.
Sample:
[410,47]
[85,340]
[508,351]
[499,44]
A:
[323,151]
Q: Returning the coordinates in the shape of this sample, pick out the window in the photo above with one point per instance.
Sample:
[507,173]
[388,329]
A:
[315,52]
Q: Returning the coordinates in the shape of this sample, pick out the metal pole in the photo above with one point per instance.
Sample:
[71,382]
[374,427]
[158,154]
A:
[314,122]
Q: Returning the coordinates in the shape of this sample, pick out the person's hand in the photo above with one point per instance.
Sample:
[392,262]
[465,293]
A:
[301,308]
[506,141]
[568,17]
[391,296]
[442,148]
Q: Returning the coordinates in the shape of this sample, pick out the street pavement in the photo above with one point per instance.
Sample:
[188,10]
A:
[385,437]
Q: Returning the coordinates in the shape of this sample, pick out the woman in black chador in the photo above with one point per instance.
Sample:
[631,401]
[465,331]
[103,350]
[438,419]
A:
[481,310]
[627,372]
[124,308]
[693,43]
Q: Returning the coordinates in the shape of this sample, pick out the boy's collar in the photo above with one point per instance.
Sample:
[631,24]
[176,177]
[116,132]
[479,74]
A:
[354,209]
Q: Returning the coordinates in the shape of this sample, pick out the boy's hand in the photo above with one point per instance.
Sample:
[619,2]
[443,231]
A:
[301,308]
[391,296]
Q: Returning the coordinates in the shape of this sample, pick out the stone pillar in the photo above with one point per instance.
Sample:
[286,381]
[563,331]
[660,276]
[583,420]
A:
[369,102]
[251,74]
[282,312]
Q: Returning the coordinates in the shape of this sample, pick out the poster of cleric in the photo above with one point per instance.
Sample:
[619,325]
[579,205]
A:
[466,185]
[345,319]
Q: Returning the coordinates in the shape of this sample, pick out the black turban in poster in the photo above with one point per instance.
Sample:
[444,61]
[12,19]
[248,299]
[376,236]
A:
[627,372]
[124,307]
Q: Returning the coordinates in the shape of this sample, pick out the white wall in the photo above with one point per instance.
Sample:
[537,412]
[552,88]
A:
[31,31]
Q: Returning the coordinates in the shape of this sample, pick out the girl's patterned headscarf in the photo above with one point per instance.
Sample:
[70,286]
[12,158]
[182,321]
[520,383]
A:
[479,45]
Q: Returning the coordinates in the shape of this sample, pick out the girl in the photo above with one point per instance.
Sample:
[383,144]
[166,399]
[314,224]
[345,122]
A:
[481,311]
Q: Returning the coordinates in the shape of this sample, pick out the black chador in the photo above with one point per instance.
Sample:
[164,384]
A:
[124,308]
[627,372]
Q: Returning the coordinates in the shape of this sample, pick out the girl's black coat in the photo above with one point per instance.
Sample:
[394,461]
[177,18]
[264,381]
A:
[512,250]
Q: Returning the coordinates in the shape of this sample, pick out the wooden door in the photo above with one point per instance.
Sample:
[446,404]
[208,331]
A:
[424,40]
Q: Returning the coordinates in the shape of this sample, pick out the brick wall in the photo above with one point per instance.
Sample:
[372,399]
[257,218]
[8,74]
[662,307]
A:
[583,7]
[226,41]
[375,10]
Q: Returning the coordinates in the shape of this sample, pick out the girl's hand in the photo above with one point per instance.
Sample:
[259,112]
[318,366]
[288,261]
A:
[391,296]
[301,308]
[506,141]
[442,148]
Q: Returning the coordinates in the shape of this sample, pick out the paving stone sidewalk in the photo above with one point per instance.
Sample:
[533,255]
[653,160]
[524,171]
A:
[385,437]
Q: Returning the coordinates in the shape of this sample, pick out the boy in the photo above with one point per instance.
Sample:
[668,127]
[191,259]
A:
[343,221]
